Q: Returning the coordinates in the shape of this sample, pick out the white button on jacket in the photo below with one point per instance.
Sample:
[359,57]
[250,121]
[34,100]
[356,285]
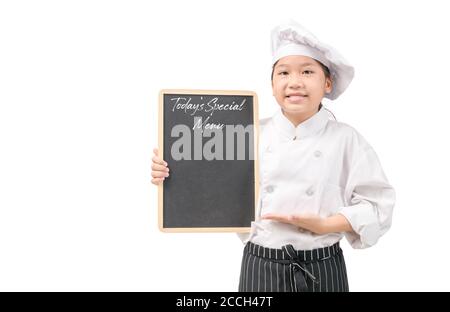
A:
[328,168]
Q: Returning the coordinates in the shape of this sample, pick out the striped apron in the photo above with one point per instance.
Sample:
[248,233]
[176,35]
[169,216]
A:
[290,270]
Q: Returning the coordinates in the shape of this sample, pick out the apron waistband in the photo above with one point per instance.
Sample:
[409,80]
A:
[296,259]
[305,256]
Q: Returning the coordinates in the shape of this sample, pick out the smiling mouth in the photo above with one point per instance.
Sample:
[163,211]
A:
[297,97]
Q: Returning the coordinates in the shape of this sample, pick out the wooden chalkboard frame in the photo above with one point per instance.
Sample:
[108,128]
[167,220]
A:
[161,152]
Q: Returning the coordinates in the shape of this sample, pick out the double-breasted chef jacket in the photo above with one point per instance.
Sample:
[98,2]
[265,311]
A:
[322,167]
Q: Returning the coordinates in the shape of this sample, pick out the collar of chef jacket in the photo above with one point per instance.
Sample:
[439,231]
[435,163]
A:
[307,128]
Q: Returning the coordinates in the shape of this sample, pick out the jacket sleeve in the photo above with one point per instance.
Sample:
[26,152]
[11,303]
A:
[370,200]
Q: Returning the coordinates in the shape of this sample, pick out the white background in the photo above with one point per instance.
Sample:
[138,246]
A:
[79,84]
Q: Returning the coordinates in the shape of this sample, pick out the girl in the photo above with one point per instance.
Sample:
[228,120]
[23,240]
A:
[320,179]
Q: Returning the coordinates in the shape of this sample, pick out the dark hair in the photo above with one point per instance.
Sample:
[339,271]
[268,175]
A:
[326,71]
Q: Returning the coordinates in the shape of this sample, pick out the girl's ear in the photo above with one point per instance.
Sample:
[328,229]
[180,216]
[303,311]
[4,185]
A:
[328,85]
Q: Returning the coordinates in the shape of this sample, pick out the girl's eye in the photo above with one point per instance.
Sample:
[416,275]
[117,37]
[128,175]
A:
[283,73]
[308,72]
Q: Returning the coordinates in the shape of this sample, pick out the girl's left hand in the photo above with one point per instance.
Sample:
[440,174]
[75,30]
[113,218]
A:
[313,223]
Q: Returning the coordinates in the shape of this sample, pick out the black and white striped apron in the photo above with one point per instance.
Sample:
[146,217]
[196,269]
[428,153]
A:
[290,270]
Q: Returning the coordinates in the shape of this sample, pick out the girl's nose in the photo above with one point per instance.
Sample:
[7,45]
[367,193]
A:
[295,82]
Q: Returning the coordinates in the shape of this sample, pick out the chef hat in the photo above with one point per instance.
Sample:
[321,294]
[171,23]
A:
[293,39]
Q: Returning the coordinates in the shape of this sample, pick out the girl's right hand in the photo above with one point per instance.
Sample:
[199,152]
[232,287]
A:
[159,169]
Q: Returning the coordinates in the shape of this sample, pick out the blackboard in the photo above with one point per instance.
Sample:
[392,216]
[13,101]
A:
[209,140]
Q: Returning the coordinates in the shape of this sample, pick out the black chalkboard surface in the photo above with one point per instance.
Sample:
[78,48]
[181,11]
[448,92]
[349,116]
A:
[209,140]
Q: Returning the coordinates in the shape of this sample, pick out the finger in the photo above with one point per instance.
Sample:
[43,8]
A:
[159,174]
[267,217]
[157,181]
[280,218]
[156,167]
[274,217]
[155,151]
[295,218]
[159,161]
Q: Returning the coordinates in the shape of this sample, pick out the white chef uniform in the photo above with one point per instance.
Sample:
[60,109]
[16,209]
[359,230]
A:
[320,167]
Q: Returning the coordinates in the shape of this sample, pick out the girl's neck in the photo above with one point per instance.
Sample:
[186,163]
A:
[297,119]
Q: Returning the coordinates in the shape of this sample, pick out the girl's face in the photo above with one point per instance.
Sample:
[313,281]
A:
[298,85]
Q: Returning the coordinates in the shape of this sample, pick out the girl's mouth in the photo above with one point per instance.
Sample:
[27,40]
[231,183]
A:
[296,98]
